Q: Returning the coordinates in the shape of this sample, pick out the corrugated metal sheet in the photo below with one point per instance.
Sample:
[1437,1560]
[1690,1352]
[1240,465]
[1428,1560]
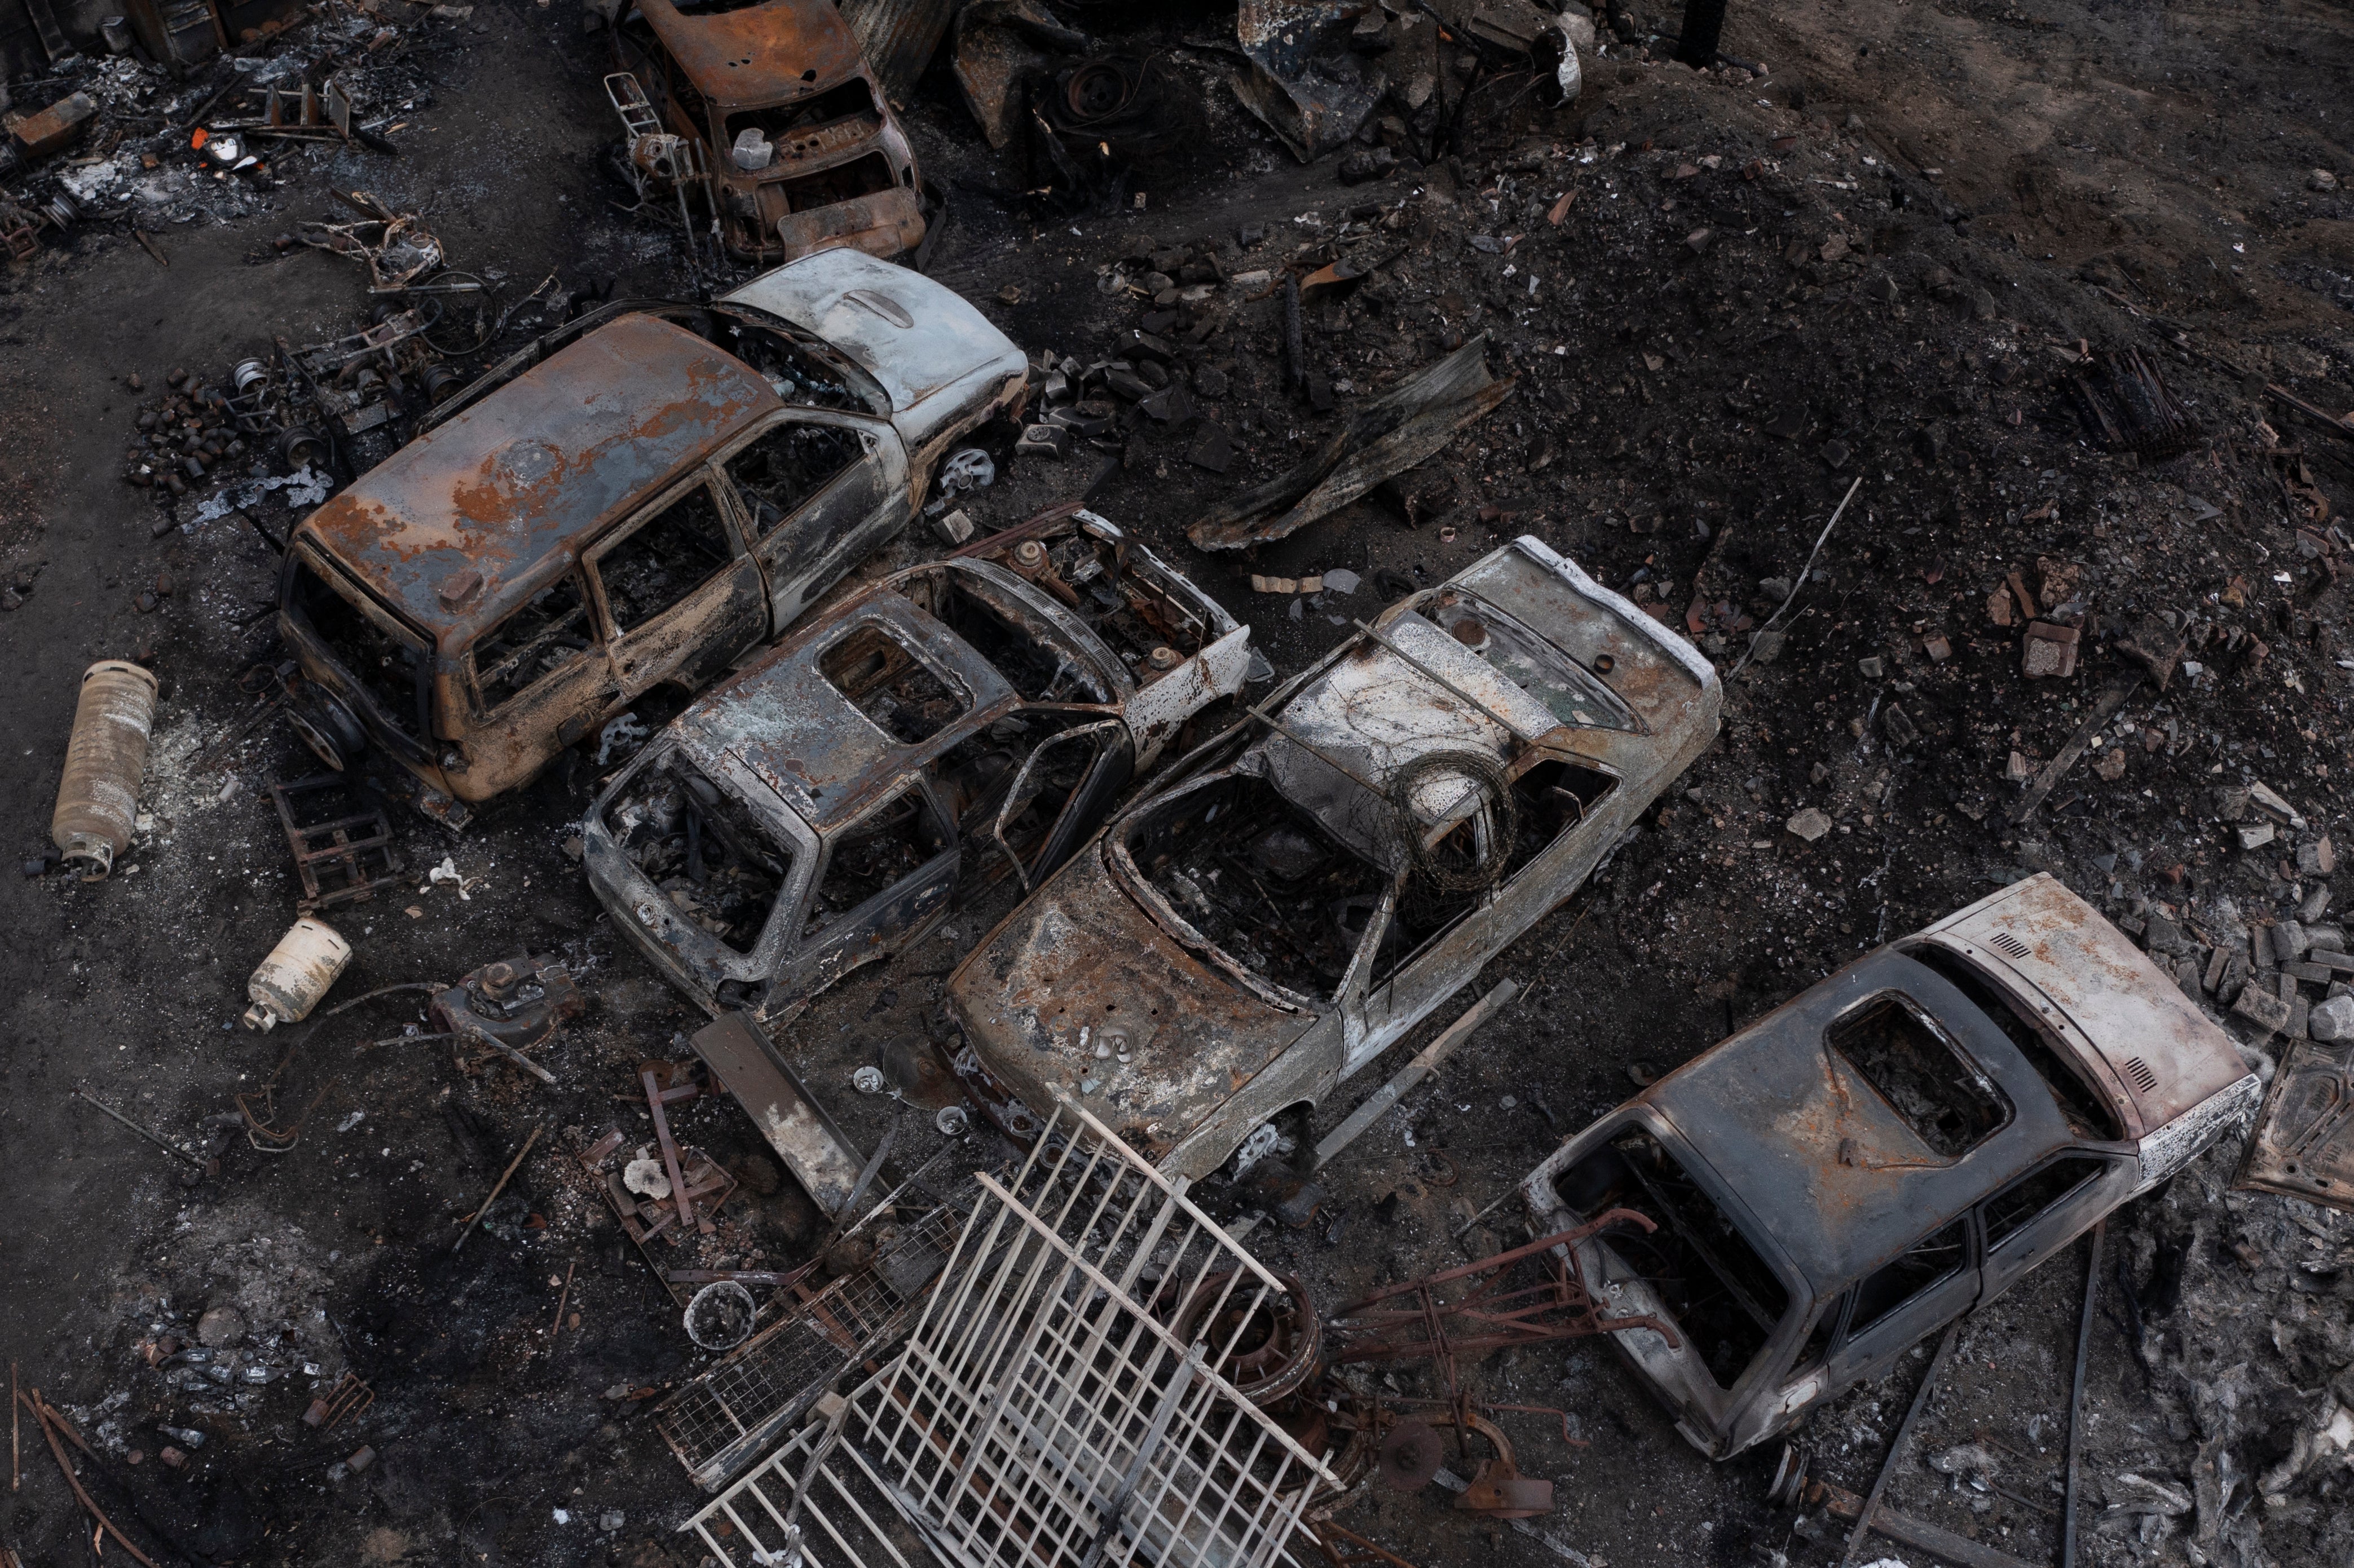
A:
[899,37]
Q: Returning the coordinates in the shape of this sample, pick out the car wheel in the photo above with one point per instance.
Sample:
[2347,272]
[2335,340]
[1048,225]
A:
[328,728]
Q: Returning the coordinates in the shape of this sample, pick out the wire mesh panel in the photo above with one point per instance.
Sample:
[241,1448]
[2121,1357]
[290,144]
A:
[721,1419]
[1062,1400]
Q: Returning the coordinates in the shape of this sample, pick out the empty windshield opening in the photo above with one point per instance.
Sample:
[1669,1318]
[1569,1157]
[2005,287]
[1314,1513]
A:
[2079,1101]
[781,121]
[1010,637]
[1259,878]
[883,680]
[1709,1276]
[714,860]
[1569,691]
[845,182]
[387,668]
[1943,1096]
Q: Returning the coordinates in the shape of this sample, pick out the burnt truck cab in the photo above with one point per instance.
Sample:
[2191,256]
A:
[636,498]
[817,812]
[832,165]
[1896,1145]
[1239,942]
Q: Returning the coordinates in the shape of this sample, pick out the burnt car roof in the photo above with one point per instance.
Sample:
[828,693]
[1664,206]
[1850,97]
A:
[758,54]
[785,721]
[513,486]
[1776,1110]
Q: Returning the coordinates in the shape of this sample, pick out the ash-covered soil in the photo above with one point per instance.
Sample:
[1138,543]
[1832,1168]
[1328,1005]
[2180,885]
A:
[1725,299]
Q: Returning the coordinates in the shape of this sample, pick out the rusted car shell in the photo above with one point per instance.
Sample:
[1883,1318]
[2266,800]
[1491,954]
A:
[943,364]
[1828,1184]
[785,741]
[775,55]
[1229,1049]
[510,490]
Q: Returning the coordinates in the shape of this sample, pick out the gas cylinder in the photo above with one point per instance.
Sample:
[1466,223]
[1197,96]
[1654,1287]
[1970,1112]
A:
[297,973]
[98,799]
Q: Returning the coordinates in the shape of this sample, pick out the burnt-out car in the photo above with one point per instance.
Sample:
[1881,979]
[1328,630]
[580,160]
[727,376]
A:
[1896,1145]
[956,720]
[1312,886]
[796,146]
[635,499]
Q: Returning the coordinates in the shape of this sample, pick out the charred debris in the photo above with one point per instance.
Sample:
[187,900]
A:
[982,924]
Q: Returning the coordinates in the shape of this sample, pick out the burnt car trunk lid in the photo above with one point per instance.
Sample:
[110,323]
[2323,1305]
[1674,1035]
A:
[2144,1036]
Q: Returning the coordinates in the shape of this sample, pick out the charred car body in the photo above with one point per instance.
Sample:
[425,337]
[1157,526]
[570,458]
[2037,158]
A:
[813,814]
[1237,944]
[767,107]
[1893,1145]
[638,498]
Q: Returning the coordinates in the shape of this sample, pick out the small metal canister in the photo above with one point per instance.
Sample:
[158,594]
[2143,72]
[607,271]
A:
[296,974]
[98,799]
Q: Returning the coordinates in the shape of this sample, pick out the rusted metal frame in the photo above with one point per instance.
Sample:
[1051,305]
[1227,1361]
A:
[333,841]
[1330,1538]
[2076,1396]
[1559,1238]
[669,1147]
[1863,1518]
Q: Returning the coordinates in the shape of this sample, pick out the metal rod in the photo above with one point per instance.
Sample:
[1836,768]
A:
[557,1327]
[157,1139]
[669,1148]
[485,1208]
[1483,707]
[1424,1063]
[15,1426]
[1904,1430]
[105,1524]
[1312,749]
[2076,1398]
[1804,572]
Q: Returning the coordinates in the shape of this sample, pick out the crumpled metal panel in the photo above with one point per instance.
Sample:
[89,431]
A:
[2304,1144]
[512,487]
[1303,81]
[899,37]
[2123,1017]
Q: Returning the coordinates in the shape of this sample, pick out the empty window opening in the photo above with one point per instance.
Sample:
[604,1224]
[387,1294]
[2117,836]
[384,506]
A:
[1569,691]
[1010,637]
[783,470]
[860,178]
[897,691]
[388,668]
[1928,1080]
[1709,1276]
[2028,1200]
[877,855]
[2084,1107]
[547,635]
[786,122]
[666,559]
[1818,1338]
[1552,798]
[1927,1262]
[1260,879]
[706,851]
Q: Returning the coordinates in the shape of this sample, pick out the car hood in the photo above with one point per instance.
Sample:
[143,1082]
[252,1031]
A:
[1078,968]
[918,340]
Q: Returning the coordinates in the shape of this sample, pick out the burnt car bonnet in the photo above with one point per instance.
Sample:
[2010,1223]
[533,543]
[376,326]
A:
[1079,957]
[1852,1184]
[515,486]
[759,55]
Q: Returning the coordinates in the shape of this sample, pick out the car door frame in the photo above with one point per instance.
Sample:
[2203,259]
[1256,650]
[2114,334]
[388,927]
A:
[741,576]
[1911,1320]
[812,963]
[2055,1226]
[531,709]
[1084,810]
[885,464]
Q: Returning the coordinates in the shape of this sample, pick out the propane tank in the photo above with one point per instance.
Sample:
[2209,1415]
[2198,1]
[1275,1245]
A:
[98,799]
[296,974]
